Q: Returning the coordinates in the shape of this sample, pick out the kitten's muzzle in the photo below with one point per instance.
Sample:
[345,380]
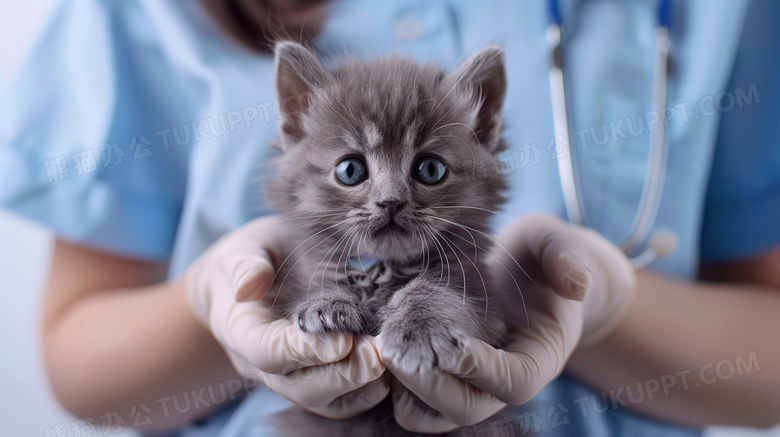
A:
[391,207]
[389,228]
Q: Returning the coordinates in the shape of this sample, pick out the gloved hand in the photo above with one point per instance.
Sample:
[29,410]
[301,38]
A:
[334,375]
[569,264]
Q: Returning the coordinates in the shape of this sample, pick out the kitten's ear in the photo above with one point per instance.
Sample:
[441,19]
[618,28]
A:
[298,73]
[483,78]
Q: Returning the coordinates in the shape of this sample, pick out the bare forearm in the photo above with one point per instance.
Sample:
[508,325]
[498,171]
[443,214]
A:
[693,331]
[117,349]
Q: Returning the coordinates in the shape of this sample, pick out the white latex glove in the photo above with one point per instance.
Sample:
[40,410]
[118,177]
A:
[335,375]
[568,263]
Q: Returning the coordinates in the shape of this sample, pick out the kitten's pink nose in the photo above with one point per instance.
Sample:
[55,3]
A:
[391,207]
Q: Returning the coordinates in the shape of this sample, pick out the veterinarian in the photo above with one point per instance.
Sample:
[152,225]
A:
[134,131]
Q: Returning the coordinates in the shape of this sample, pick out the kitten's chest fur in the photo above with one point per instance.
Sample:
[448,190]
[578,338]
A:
[374,282]
[327,283]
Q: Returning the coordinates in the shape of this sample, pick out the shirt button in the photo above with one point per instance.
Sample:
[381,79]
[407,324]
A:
[408,28]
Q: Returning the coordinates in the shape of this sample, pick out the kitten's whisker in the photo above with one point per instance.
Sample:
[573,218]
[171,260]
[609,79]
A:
[296,262]
[365,245]
[302,243]
[462,269]
[428,250]
[336,270]
[490,237]
[457,258]
[427,258]
[465,207]
[281,286]
[313,214]
[423,246]
[314,217]
[421,256]
[474,241]
[363,236]
[349,254]
[487,252]
[330,260]
[473,263]
[442,256]
[334,248]
[441,264]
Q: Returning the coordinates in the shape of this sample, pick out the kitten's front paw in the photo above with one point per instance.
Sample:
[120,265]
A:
[322,315]
[415,347]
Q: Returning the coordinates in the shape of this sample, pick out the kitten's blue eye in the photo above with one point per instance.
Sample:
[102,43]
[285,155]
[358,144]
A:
[429,170]
[351,171]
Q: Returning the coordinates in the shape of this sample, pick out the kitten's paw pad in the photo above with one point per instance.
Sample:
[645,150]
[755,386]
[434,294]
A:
[416,349]
[324,315]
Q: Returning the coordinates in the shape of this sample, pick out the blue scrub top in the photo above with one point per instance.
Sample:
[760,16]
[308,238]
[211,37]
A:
[140,128]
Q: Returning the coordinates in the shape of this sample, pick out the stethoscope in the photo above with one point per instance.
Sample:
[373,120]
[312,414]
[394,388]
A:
[661,242]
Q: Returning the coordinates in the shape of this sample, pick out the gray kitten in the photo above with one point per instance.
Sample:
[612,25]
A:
[382,181]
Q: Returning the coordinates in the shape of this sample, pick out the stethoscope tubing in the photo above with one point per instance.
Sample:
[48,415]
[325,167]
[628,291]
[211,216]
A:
[652,187]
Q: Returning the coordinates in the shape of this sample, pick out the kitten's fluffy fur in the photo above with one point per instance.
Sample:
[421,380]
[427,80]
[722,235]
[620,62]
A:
[428,289]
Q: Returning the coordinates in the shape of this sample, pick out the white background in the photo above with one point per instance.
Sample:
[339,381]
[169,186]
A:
[27,405]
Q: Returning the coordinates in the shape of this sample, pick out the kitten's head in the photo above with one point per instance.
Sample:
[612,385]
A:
[388,152]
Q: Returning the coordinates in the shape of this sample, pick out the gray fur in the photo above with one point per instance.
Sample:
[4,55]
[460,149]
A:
[428,290]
